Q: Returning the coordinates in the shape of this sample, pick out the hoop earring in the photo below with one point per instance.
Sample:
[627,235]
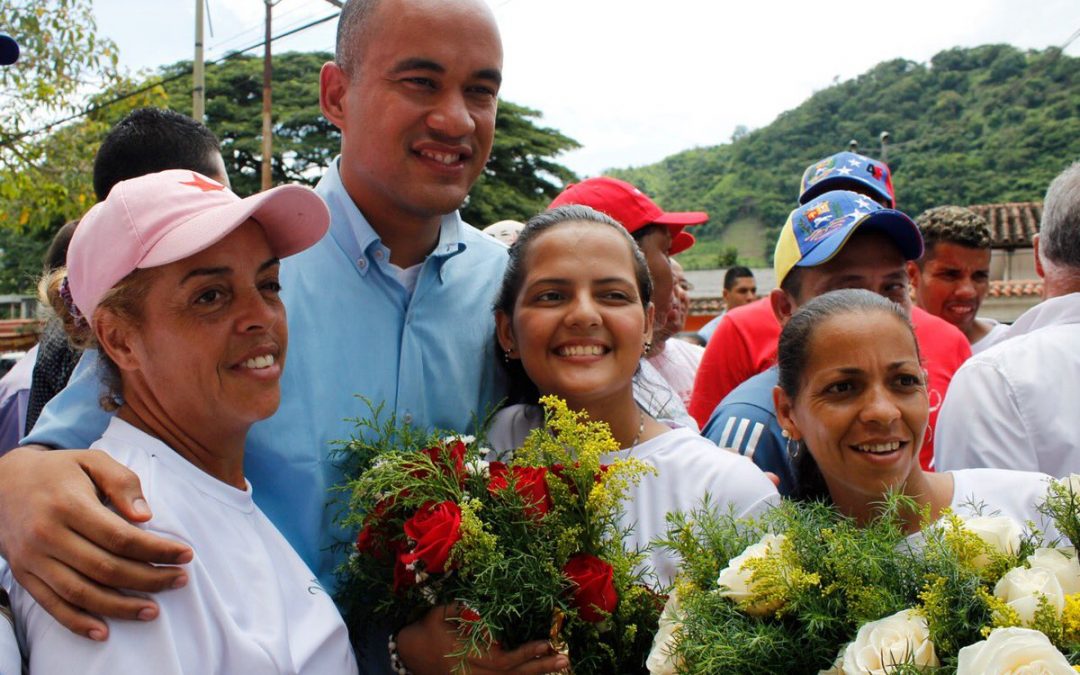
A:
[794,447]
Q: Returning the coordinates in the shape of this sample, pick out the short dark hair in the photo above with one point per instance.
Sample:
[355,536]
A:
[522,390]
[353,24]
[56,254]
[951,225]
[733,274]
[149,140]
[792,283]
[793,355]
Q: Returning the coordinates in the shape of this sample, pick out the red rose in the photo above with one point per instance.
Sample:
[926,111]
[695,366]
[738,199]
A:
[374,538]
[403,578]
[450,459]
[365,541]
[435,528]
[529,481]
[595,590]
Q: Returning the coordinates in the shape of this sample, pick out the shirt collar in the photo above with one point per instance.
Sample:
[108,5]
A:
[1062,309]
[354,234]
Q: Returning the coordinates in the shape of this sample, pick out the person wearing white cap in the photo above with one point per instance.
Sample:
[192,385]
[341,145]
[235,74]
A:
[174,279]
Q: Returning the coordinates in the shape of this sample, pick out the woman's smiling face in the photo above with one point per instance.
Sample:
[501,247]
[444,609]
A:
[862,406]
[578,323]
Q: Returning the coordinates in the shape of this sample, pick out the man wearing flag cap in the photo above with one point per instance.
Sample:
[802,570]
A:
[744,343]
[838,240]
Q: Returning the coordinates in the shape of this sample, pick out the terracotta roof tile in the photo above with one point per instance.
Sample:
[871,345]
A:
[706,306]
[1020,288]
[1012,225]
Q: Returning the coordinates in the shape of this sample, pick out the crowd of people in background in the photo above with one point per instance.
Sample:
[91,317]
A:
[854,375]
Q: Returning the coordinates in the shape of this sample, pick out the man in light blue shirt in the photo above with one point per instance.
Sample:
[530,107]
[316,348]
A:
[393,304]
[354,328]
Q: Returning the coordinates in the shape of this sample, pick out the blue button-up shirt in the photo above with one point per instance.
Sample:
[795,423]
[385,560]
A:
[353,330]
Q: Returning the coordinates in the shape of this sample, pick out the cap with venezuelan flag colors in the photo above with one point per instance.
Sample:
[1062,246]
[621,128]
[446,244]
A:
[848,171]
[816,231]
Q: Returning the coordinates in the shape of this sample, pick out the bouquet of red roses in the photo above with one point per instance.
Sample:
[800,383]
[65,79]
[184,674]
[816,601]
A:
[527,549]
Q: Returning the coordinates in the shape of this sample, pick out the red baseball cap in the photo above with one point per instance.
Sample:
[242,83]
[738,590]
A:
[631,207]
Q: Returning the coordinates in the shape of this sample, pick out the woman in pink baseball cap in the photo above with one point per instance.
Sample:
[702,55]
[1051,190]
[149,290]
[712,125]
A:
[174,279]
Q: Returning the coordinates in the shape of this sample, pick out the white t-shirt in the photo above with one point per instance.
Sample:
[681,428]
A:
[678,363]
[998,332]
[688,467]
[658,398]
[1002,492]
[10,659]
[250,606]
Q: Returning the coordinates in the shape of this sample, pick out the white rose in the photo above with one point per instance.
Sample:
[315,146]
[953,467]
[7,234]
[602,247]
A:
[1001,533]
[1063,563]
[734,580]
[1013,650]
[881,645]
[661,661]
[1022,588]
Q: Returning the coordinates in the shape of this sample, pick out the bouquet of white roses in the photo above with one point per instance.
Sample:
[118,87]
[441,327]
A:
[804,590]
[530,549]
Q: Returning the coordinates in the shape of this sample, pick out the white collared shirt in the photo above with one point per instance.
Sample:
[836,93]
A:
[1014,405]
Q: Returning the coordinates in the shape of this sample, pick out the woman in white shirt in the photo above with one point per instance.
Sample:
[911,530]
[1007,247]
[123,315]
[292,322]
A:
[852,399]
[574,319]
[175,280]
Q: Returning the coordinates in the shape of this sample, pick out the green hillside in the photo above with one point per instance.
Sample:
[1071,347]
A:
[979,125]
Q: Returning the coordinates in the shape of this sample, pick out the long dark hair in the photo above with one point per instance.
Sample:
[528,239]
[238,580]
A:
[793,354]
[521,388]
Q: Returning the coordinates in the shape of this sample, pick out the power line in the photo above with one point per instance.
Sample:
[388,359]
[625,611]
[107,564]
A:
[1072,38]
[251,31]
[9,141]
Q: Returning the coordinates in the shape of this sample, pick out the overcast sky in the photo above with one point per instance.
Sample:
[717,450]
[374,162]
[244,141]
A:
[637,80]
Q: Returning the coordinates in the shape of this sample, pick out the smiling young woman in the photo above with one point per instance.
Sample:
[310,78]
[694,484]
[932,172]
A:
[851,396]
[573,319]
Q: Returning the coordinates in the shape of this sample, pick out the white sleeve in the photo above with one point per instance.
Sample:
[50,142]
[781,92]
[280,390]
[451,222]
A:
[748,489]
[132,647]
[981,425]
[10,659]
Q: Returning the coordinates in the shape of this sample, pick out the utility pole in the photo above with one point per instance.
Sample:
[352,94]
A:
[267,127]
[198,85]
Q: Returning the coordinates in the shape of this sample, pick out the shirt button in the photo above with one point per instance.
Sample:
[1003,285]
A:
[361,263]
[378,254]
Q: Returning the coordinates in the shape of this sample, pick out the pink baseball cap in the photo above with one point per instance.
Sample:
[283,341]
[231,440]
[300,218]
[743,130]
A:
[160,218]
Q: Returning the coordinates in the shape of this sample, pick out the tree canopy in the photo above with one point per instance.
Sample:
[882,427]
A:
[975,125]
